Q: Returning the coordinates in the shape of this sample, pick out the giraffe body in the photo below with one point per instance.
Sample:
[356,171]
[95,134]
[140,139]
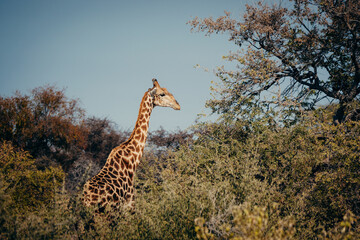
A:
[114,185]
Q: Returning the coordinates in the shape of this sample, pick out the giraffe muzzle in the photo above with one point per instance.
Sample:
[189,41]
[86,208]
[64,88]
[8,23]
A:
[176,106]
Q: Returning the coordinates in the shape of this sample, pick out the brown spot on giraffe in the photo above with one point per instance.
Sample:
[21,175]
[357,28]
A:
[122,165]
[116,165]
[114,183]
[111,162]
[131,148]
[126,163]
[143,138]
[137,150]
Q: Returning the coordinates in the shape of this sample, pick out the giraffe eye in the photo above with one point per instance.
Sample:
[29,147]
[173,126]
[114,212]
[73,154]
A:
[162,94]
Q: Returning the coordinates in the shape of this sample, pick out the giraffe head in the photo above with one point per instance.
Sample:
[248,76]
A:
[162,97]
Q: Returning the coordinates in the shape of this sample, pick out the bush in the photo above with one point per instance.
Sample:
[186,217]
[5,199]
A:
[310,169]
[251,223]
[24,190]
[29,188]
[248,178]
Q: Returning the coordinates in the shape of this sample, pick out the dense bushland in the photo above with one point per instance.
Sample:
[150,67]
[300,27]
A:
[249,178]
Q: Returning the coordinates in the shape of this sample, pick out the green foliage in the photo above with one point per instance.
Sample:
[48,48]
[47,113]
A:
[28,188]
[245,179]
[343,230]
[260,176]
[311,167]
[250,223]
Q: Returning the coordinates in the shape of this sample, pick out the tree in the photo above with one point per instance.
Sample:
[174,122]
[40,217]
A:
[170,140]
[102,137]
[298,54]
[45,123]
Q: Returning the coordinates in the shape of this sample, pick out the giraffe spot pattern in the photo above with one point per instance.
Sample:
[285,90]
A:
[112,175]
[121,193]
[114,183]
[115,197]
[126,161]
[116,165]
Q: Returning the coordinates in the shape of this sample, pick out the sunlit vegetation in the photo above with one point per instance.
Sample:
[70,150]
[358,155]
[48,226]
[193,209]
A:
[249,178]
[278,168]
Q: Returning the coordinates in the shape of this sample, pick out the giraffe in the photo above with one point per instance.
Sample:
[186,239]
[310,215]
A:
[114,185]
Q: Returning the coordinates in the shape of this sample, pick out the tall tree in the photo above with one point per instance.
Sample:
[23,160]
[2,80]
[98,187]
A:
[299,54]
[45,123]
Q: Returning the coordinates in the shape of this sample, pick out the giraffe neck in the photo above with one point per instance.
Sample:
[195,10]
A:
[115,181]
[139,134]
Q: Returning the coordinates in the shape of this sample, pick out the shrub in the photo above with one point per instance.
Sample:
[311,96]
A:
[251,223]
[29,188]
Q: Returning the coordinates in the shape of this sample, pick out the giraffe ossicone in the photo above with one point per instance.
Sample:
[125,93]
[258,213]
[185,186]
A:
[113,186]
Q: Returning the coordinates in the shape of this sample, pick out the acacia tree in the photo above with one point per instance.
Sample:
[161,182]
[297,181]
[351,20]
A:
[299,54]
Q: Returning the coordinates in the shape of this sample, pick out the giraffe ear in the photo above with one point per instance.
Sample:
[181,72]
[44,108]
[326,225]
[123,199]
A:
[155,82]
[153,90]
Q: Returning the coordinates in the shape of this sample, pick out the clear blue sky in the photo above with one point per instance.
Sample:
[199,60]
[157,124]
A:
[105,53]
